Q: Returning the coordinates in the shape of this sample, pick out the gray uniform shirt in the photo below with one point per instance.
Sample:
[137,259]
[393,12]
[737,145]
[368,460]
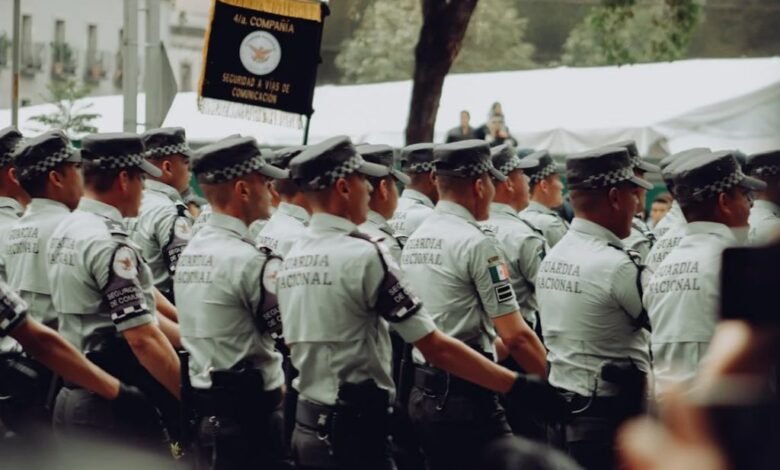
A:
[332,293]
[24,249]
[764,221]
[218,287]
[162,229]
[663,247]
[99,282]
[547,220]
[641,238]
[203,217]
[10,212]
[683,301]
[460,274]
[673,218]
[283,228]
[524,249]
[413,208]
[377,227]
[589,305]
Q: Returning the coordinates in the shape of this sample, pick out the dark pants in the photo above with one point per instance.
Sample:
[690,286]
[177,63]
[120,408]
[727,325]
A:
[79,412]
[590,435]
[27,389]
[314,446]
[455,423]
[246,435]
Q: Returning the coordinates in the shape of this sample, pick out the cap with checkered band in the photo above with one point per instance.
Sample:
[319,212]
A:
[636,159]
[41,154]
[465,159]
[10,138]
[763,164]
[281,158]
[233,158]
[602,168]
[506,160]
[321,165]
[383,155]
[543,169]
[165,142]
[118,150]
[671,162]
[706,176]
[417,158]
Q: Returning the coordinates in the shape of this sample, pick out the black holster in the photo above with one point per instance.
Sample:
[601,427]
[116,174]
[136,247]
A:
[632,386]
[361,423]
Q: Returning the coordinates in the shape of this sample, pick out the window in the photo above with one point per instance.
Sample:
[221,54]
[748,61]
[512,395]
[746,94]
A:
[185,76]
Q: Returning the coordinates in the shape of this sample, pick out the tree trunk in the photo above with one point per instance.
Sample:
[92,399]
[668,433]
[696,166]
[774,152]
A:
[441,36]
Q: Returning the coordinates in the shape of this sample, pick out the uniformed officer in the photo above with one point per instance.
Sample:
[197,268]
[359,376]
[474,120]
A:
[229,314]
[419,196]
[57,354]
[641,239]
[683,296]
[674,217]
[292,216]
[765,214]
[466,286]
[546,194]
[338,292]
[103,292]
[13,198]
[49,170]
[590,304]
[164,223]
[523,245]
[674,225]
[384,197]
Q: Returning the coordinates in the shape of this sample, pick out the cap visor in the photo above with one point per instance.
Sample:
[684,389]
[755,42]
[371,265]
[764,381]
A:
[372,169]
[641,182]
[150,169]
[497,174]
[649,167]
[402,177]
[752,184]
[274,172]
[526,163]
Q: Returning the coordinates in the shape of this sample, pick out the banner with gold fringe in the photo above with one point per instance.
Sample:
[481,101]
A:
[260,60]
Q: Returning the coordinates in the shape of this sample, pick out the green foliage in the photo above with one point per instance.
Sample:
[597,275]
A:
[70,116]
[382,46]
[622,32]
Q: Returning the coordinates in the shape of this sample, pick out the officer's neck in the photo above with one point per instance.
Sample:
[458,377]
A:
[607,220]
[10,188]
[540,197]
[510,199]
[113,198]
[298,200]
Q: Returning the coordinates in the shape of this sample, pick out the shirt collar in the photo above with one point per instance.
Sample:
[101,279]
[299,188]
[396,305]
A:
[415,195]
[169,191]
[767,205]
[42,204]
[714,228]
[595,230]
[100,208]
[453,208]
[499,208]
[377,218]
[322,221]
[12,204]
[294,211]
[536,207]
[229,223]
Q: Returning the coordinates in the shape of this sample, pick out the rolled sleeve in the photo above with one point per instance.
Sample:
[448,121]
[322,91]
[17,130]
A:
[416,327]
[490,274]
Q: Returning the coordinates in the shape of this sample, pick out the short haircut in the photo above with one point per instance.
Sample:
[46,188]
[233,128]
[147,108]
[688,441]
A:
[35,185]
[100,179]
[286,187]
[665,198]
[548,178]
[447,184]
[217,194]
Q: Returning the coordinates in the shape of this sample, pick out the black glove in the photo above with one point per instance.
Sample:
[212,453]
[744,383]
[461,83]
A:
[132,407]
[540,398]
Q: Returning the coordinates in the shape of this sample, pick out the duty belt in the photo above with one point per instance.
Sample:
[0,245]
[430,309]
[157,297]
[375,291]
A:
[315,416]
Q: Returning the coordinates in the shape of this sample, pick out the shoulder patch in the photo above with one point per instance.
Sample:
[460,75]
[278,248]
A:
[125,264]
[182,228]
[114,227]
[272,267]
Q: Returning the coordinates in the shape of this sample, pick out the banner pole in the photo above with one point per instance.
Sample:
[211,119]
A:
[306,130]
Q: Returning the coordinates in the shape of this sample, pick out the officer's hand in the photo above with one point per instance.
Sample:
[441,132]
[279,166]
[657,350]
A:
[540,398]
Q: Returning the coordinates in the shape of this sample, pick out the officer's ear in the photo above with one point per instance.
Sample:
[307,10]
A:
[241,190]
[11,174]
[167,167]
[342,187]
[613,196]
[55,178]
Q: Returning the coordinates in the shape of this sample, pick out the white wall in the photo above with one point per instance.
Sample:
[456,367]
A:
[77,15]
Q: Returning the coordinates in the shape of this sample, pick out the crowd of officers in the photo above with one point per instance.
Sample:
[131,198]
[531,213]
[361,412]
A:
[311,317]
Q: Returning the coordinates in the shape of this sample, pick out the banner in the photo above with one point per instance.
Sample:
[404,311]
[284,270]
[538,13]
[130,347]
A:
[260,60]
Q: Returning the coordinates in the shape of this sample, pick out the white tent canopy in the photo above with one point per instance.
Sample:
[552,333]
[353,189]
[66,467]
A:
[665,107]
